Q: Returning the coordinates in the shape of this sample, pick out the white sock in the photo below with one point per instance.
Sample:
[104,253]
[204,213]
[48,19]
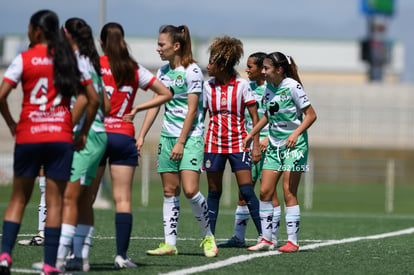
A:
[292,223]
[171,213]
[241,218]
[276,223]
[199,207]
[65,241]
[87,243]
[81,240]
[42,204]
[266,218]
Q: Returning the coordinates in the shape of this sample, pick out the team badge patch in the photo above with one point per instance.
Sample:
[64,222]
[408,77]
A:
[179,82]
[208,163]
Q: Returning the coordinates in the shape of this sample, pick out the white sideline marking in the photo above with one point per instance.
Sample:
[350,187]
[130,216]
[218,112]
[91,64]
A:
[27,271]
[162,238]
[247,257]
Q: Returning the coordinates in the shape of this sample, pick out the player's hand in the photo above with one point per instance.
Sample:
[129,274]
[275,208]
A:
[256,153]
[246,142]
[80,142]
[177,151]
[291,140]
[139,143]
[263,144]
[129,117]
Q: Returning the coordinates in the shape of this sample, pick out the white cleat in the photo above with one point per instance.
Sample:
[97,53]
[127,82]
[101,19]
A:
[123,263]
[263,245]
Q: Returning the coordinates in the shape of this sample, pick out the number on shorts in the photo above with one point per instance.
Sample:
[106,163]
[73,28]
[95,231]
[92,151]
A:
[159,148]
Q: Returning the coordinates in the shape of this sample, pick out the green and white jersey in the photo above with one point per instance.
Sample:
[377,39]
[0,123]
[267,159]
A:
[88,74]
[284,104]
[181,82]
[258,93]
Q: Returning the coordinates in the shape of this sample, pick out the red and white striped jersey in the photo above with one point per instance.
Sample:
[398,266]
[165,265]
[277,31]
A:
[226,105]
[122,98]
[45,115]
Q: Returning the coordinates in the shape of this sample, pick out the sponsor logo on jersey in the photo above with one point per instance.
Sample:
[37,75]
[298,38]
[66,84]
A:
[273,108]
[41,61]
[106,71]
[197,84]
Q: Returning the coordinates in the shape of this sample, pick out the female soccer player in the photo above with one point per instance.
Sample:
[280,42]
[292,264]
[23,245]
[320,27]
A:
[123,76]
[226,97]
[285,102]
[86,161]
[180,150]
[49,76]
[254,73]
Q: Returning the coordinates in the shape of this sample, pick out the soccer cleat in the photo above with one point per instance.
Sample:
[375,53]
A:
[85,265]
[263,245]
[163,249]
[38,266]
[37,240]
[74,264]
[232,242]
[51,270]
[289,247]
[123,263]
[210,247]
[5,264]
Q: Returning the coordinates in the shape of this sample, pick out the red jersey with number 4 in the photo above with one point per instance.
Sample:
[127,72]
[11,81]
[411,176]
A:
[45,115]
[122,98]
[226,106]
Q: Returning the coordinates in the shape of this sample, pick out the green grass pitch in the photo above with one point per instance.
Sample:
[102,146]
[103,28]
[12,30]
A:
[332,236]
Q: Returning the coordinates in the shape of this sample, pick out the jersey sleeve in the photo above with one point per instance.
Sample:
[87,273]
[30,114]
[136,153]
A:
[206,92]
[299,97]
[86,77]
[14,72]
[145,78]
[248,96]
[194,80]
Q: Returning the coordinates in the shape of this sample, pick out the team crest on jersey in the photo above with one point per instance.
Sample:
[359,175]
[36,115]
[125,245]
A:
[208,163]
[283,96]
[179,82]
[223,101]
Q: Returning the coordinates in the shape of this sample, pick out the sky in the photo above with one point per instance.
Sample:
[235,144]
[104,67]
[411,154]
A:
[313,19]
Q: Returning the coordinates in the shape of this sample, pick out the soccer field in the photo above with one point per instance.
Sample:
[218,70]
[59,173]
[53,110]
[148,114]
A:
[346,232]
